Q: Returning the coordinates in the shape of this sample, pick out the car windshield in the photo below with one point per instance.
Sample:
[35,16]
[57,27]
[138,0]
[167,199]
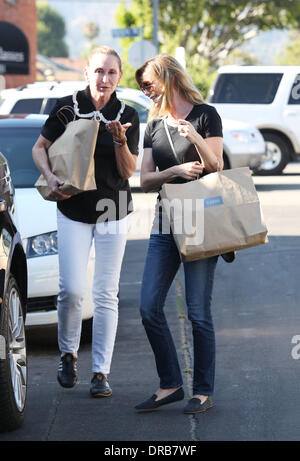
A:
[16,144]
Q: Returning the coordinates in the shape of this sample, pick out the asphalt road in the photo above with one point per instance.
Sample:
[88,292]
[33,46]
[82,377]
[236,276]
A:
[257,318]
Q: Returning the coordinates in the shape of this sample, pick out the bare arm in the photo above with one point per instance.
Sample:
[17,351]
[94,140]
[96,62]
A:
[126,161]
[40,158]
[152,180]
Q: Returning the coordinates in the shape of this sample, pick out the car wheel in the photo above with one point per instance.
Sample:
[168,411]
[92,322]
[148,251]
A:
[277,155]
[13,359]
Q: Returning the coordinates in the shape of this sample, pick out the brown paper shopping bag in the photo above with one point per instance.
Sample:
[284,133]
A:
[71,158]
[215,214]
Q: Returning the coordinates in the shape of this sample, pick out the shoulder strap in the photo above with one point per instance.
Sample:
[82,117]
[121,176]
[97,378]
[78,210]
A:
[170,139]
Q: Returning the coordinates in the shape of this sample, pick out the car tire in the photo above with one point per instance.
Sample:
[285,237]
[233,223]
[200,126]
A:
[13,359]
[278,155]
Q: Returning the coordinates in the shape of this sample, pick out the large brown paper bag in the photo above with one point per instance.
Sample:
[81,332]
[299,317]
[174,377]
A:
[71,159]
[215,214]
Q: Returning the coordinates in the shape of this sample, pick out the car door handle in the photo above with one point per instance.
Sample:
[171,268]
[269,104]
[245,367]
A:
[291,112]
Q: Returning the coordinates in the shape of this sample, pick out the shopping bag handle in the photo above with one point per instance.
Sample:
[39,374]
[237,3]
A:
[62,117]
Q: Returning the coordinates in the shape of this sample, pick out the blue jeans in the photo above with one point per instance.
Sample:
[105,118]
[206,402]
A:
[162,263]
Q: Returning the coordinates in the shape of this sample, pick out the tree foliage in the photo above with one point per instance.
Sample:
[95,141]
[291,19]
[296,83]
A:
[291,54]
[209,30]
[51,31]
[91,30]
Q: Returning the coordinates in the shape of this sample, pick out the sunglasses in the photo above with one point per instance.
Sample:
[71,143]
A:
[146,87]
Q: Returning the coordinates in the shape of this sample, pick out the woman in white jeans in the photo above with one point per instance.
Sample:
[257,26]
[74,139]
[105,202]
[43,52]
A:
[100,216]
[109,250]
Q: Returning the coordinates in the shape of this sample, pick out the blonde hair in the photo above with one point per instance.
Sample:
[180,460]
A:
[171,75]
[105,50]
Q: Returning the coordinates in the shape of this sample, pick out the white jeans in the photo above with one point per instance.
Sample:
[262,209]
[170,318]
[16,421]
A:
[74,245]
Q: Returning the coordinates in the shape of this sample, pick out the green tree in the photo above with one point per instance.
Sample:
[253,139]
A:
[241,58]
[291,54]
[51,31]
[211,30]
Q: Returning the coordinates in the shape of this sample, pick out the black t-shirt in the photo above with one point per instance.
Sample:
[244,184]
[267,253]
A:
[110,185]
[205,120]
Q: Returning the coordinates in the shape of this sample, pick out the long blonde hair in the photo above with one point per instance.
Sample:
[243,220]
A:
[171,75]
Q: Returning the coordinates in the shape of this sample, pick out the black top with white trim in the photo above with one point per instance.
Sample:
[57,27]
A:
[110,185]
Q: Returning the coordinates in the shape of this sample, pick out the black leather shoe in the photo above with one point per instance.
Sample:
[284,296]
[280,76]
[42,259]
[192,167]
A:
[195,406]
[152,404]
[100,386]
[67,371]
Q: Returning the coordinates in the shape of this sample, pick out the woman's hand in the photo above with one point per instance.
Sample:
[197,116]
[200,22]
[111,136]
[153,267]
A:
[118,131]
[187,130]
[54,183]
[189,170]
[210,150]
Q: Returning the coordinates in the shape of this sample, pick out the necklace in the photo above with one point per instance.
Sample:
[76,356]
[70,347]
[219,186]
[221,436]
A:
[96,114]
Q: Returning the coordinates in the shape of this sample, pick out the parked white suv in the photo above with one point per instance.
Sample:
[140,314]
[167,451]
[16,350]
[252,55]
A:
[267,97]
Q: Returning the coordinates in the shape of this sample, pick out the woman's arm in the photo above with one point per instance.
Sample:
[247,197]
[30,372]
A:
[40,158]
[210,150]
[126,161]
[152,180]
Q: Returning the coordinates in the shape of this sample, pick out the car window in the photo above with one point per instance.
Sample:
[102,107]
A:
[295,91]
[27,106]
[141,110]
[49,106]
[246,88]
[16,144]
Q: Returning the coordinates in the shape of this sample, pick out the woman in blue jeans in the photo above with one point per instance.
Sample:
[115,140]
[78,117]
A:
[195,149]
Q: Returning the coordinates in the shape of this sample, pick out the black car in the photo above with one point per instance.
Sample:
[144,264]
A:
[13,298]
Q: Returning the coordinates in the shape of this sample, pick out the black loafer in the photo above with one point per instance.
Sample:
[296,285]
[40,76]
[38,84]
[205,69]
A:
[195,406]
[100,386]
[152,404]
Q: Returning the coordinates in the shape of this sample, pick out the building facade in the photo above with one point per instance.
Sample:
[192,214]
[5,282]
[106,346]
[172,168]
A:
[18,42]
